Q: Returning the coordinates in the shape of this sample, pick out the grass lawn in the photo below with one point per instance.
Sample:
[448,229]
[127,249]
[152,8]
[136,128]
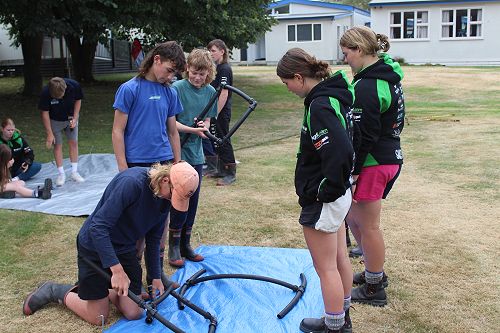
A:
[440,222]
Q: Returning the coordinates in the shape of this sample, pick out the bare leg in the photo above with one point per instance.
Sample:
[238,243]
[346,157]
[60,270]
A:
[125,305]
[73,151]
[343,262]
[323,249]
[18,187]
[58,155]
[351,220]
[90,311]
[368,220]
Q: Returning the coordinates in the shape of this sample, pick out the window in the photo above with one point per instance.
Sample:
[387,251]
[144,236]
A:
[461,23]
[304,32]
[409,25]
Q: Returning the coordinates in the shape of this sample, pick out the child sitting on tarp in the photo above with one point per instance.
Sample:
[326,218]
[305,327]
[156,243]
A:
[9,187]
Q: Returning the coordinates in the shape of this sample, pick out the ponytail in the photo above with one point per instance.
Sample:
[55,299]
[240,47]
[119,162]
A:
[298,61]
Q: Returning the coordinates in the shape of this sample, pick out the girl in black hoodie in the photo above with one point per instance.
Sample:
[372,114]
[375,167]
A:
[379,111]
[323,179]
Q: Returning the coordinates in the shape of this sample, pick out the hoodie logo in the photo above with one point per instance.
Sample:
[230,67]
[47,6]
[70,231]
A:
[320,133]
[321,143]
[155,97]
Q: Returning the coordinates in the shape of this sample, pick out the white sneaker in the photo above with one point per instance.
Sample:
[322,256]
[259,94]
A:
[61,179]
[76,177]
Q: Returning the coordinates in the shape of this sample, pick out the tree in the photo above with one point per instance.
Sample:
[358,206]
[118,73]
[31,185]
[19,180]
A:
[28,22]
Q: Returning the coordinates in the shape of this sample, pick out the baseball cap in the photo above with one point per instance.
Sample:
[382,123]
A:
[184,180]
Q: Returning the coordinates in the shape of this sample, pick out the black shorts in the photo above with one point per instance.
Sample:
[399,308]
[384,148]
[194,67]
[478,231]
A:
[92,286]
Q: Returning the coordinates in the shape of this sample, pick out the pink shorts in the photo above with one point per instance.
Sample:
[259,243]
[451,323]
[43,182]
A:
[375,182]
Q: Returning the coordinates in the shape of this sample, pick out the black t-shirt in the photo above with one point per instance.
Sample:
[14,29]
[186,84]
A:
[224,74]
[60,109]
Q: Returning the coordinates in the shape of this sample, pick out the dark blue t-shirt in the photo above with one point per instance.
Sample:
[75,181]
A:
[60,109]
[127,212]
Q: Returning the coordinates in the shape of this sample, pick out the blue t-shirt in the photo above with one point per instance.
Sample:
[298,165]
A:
[127,212]
[193,101]
[60,109]
[148,106]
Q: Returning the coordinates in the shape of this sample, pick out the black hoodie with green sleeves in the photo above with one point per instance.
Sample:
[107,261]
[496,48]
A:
[325,157]
[379,110]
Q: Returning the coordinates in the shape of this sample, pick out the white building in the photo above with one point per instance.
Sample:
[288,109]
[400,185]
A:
[447,32]
[315,26]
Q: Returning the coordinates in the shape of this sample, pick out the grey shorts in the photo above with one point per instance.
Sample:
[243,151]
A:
[63,126]
[326,216]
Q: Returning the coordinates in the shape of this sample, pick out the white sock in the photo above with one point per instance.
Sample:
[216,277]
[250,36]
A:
[61,170]
[74,167]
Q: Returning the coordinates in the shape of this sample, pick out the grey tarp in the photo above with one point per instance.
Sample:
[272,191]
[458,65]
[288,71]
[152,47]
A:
[73,199]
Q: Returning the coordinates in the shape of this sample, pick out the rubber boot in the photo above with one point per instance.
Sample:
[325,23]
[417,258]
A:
[174,251]
[47,292]
[45,192]
[217,170]
[186,249]
[372,294]
[212,162]
[229,175]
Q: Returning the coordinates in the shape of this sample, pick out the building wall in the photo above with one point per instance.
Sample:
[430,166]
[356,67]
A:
[484,50]
[296,8]
[8,53]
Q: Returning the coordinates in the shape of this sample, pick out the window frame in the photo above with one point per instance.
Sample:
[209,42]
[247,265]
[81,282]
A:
[454,23]
[416,25]
[312,40]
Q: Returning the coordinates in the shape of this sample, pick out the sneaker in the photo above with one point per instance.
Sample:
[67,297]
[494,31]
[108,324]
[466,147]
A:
[359,278]
[61,179]
[45,192]
[7,195]
[317,325]
[76,177]
[372,294]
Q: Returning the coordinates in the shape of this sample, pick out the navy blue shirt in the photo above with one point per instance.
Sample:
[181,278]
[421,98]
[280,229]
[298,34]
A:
[127,212]
[60,109]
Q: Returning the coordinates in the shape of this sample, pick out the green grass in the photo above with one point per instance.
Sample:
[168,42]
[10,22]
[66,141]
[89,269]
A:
[440,221]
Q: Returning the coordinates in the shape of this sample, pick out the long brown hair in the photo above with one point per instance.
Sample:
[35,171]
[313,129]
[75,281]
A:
[5,157]
[365,39]
[167,51]
[219,43]
[298,61]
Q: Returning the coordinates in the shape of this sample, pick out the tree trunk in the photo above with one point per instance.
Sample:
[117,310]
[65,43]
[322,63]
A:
[82,56]
[32,55]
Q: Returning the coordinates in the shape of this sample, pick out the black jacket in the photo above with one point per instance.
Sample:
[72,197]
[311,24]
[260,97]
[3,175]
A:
[379,110]
[21,151]
[325,157]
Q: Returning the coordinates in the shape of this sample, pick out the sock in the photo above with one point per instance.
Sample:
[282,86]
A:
[74,167]
[334,321]
[61,170]
[347,302]
[373,277]
[35,194]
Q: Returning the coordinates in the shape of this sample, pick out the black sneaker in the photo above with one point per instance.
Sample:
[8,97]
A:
[372,294]
[317,325]
[359,278]
[46,191]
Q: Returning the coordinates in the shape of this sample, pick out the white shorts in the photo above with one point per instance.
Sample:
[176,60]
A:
[326,216]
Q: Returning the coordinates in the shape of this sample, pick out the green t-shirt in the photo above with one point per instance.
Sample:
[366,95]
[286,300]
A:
[193,101]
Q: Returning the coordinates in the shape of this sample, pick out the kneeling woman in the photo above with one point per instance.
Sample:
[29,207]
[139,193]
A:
[322,179]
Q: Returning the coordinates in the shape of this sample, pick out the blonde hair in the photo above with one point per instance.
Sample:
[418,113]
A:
[199,60]
[57,87]
[156,174]
[298,61]
[366,40]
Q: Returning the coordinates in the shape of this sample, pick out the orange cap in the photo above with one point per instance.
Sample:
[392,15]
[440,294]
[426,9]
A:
[184,180]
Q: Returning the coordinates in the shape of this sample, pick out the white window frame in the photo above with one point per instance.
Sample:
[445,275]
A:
[312,33]
[469,23]
[416,25]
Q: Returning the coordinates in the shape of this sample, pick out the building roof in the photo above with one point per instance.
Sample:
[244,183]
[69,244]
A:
[318,3]
[383,3]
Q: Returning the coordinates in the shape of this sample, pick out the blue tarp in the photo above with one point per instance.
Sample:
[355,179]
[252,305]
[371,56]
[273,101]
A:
[240,306]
